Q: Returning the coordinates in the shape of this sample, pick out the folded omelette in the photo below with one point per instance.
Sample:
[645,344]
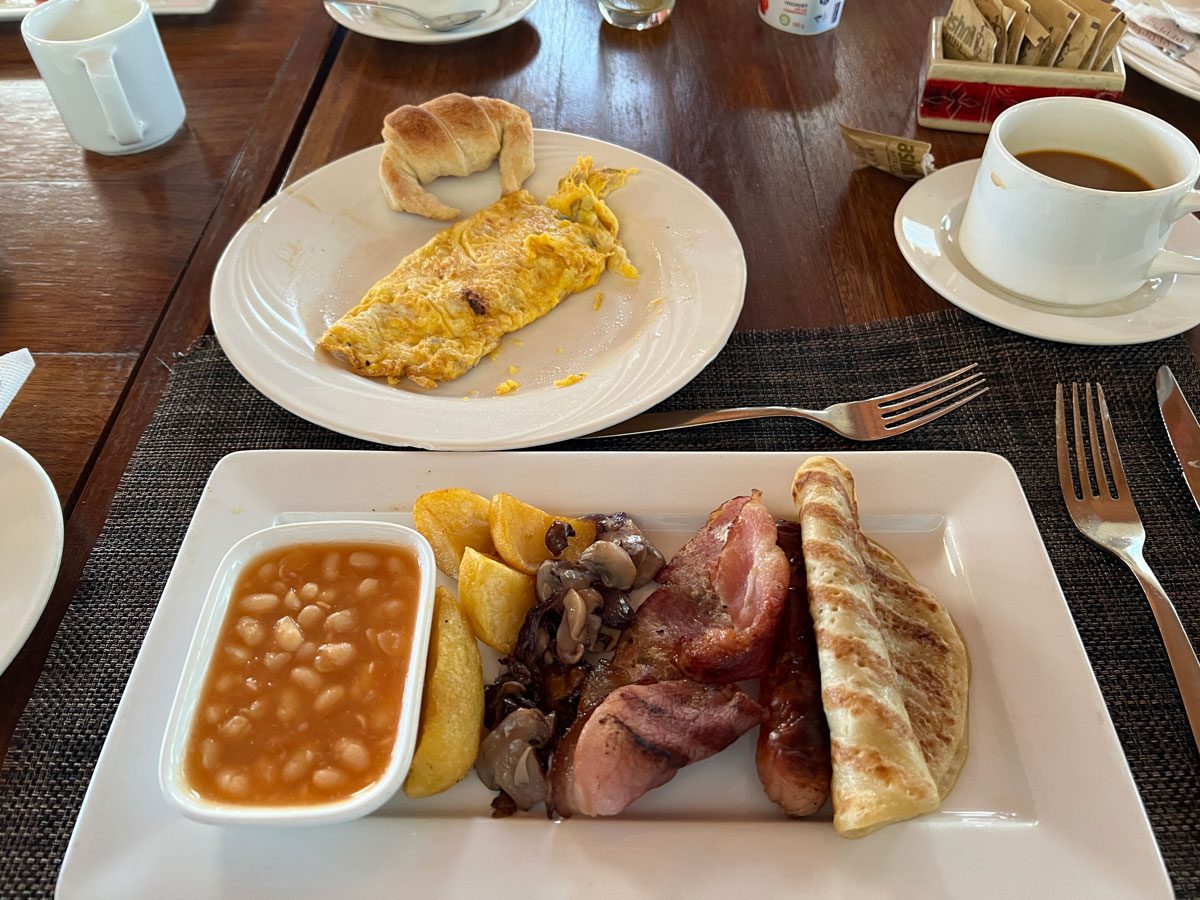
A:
[894,670]
[450,303]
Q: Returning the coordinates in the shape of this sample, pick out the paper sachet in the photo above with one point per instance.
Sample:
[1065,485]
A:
[903,157]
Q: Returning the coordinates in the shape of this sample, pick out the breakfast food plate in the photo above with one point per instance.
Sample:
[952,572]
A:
[1045,806]
[926,227]
[16,9]
[31,542]
[390,26]
[311,253]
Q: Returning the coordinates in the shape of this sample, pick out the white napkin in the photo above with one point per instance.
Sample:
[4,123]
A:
[14,369]
[1167,32]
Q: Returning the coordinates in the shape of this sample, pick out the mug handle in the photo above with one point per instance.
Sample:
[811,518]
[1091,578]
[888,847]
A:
[103,74]
[1171,263]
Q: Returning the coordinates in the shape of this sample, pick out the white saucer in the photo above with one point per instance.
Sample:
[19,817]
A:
[1158,67]
[388,26]
[31,541]
[926,227]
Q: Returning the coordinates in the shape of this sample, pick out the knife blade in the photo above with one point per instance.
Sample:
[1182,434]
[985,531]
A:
[1182,428]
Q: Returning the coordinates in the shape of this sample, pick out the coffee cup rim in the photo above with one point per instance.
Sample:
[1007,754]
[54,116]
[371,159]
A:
[1188,180]
[143,9]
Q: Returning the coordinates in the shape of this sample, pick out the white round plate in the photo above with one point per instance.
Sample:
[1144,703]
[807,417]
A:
[926,227]
[31,542]
[392,26]
[311,253]
[1159,68]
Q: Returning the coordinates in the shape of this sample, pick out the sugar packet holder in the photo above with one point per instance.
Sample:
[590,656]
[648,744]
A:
[965,95]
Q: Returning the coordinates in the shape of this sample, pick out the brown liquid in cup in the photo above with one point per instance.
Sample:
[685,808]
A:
[1084,170]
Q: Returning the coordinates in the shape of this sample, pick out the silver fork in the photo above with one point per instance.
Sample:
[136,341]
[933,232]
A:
[1102,509]
[861,420]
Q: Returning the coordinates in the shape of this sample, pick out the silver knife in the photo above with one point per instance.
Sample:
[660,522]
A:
[1182,427]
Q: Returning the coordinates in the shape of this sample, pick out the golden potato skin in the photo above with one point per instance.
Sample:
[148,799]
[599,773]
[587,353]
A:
[495,599]
[452,705]
[453,519]
[519,533]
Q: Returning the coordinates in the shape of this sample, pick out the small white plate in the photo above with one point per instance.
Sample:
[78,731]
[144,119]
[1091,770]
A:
[391,26]
[1045,806]
[31,542]
[312,251]
[11,10]
[1171,74]
[926,227]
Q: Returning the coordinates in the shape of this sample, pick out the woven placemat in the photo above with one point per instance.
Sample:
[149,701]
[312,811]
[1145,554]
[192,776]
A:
[208,410]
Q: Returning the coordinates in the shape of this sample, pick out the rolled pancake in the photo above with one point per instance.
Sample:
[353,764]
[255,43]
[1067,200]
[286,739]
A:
[894,671]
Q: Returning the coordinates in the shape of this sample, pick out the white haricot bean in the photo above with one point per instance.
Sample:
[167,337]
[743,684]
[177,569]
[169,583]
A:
[213,714]
[252,685]
[333,656]
[250,630]
[352,754]
[257,709]
[309,591]
[267,571]
[226,682]
[329,698]
[331,565]
[265,770]
[307,651]
[368,587]
[289,705]
[291,601]
[306,678]
[288,635]
[382,722]
[276,661]
[310,617]
[260,602]
[237,653]
[235,727]
[210,754]
[393,609]
[394,565]
[391,642]
[363,561]
[327,778]
[326,599]
[342,620]
[298,765]
[235,784]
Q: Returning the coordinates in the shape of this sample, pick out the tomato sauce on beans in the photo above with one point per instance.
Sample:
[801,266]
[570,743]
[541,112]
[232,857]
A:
[302,697]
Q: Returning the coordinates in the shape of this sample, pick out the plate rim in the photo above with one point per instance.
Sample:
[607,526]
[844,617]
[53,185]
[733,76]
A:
[534,435]
[1146,66]
[519,9]
[1032,323]
[243,464]
[44,585]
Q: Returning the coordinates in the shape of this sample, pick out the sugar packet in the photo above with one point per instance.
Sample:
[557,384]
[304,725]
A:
[903,157]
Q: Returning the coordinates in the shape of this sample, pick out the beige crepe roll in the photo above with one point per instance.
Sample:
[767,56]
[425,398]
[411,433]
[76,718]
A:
[894,671]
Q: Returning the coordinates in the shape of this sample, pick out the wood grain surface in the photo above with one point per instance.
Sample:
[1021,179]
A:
[105,263]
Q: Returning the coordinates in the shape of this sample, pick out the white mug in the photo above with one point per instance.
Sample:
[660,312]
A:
[1062,244]
[104,65]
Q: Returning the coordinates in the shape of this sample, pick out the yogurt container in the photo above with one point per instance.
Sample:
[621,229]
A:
[801,16]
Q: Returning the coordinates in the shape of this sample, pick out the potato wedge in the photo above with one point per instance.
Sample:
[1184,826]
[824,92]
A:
[495,599]
[519,533]
[453,519]
[452,705]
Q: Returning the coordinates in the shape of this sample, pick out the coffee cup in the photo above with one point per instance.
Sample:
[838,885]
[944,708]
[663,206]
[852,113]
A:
[1060,243]
[104,65]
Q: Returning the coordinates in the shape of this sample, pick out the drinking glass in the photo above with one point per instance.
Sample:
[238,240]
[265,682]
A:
[636,14]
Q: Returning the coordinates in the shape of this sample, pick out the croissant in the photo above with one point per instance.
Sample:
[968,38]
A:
[452,135]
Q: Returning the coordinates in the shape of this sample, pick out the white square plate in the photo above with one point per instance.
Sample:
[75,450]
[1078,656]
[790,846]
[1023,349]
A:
[1045,806]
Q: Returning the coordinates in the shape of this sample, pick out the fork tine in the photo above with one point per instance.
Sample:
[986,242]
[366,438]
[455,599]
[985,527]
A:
[918,388]
[895,406]
[1066,480]
[904,411]
[1081,460]
[910,424]
[1102,482]
[1110,444]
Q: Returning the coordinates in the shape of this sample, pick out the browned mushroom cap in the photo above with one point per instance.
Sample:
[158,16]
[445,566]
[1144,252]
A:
[579,626]
[507,760]
[611,564]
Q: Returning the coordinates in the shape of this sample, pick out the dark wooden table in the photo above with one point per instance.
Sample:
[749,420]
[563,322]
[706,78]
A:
[105,263]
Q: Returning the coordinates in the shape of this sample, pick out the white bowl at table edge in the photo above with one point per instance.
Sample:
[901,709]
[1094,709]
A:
[195,670]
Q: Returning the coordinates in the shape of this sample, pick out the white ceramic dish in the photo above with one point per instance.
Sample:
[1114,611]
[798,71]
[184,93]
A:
[1045,807]
[31,542]
[195,668]
[926,227]
[11,10]
[389,26]
[311,253]
[1160,68]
